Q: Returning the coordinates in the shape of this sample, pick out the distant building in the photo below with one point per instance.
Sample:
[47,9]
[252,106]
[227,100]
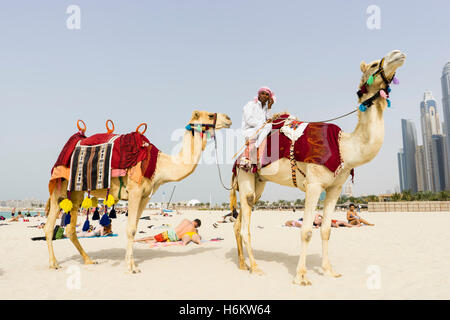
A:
[348,190]
[401,169]
[420,168]
[445,83]
[193,202]
[439,166]
[431,125]
[409,152]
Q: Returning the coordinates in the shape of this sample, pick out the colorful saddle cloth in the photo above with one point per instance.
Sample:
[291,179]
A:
[90,167]
[318,144]
[127,151]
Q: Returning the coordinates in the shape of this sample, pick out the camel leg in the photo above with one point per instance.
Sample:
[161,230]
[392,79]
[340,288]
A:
[313,191]
[77,198]
[325,230]
[134,205]
[237,233]
[247,195]
[49,227]
[237,228]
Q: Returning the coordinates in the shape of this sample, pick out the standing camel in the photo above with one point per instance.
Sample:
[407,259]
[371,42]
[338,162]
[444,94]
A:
[169,168]
[356,149]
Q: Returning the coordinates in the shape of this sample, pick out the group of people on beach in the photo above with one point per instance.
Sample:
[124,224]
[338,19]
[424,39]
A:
[353,220]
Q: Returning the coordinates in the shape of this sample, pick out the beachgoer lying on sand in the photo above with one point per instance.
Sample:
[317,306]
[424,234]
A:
[317,222]
[294,223]
[97,231]
[354,219]
[231,217]
[186,231]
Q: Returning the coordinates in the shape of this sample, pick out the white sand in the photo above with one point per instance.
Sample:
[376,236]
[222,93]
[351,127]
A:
[407,253]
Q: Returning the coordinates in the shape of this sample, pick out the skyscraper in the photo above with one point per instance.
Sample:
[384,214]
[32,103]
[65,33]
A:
[445,83]
[420,165]
[438,149]
[401,169]
[431,125]
[409,151]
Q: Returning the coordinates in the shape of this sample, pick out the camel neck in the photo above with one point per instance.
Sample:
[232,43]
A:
[364,143]
[179,166]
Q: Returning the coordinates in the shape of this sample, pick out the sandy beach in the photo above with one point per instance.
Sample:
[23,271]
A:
[405,256]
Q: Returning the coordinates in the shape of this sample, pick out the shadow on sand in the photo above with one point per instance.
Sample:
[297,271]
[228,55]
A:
[313,261]
[118,254]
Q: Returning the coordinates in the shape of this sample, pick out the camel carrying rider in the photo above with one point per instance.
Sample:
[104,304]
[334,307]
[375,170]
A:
[256,124]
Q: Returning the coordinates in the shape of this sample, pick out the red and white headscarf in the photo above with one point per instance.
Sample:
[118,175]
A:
[266,89]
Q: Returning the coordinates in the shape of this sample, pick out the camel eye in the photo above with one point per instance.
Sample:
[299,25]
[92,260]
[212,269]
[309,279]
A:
[374,65]
[211,116]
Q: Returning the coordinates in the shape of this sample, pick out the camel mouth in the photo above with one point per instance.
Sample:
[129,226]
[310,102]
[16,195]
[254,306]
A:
[398,59]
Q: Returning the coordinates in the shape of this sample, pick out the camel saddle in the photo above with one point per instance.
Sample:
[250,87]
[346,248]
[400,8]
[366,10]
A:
[128,151]
[317,143]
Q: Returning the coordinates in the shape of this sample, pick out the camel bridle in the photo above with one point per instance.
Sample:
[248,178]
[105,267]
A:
[364,88]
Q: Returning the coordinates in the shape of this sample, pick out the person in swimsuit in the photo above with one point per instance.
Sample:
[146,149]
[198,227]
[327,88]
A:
[186,231]
[354,219]
[318,222]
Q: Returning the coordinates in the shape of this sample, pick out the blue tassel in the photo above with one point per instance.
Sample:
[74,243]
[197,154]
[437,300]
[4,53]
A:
[388,90]
[96,215]
[105,220]
[67,219]
[86,225]
[188,127]
[362,107]
[389,103]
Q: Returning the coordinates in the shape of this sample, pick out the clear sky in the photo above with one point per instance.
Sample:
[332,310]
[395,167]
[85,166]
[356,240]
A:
[156,61]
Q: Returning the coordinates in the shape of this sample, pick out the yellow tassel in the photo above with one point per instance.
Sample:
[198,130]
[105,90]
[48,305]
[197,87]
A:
[66,205]
[110,201]
[87,203]
[94,202]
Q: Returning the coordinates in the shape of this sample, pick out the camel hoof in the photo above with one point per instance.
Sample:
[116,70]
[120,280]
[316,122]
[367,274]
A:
[257,271]
[331,273]
[87,262]
[302,282]
[244,266]
[55,266]
[134,270]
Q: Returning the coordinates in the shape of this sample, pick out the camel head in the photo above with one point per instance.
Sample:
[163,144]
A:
[378,74]
[206,122]
[210,120]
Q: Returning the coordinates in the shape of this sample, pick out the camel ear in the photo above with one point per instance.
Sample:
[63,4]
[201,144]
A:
[195,115]
[363,66]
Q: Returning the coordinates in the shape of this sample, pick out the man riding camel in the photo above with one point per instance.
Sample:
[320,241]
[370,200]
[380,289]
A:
[255,115]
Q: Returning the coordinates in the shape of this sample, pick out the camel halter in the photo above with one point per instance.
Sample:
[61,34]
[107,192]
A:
[384,93]
[202,127]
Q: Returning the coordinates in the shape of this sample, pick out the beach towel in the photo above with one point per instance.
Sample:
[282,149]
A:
[109,235]
[178,243]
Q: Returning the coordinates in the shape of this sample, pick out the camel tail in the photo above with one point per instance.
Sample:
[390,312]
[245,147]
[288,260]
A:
[233,199]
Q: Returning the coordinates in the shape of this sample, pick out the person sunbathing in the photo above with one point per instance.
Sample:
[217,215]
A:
[186,231]
[317,222]
[354,219]
[231,217]
[294,223]
[97,231]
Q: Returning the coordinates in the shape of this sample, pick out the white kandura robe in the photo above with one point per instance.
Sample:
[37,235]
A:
[254,116]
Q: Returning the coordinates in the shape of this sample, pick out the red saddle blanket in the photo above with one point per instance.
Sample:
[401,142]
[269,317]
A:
[319,144]
[129,150]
